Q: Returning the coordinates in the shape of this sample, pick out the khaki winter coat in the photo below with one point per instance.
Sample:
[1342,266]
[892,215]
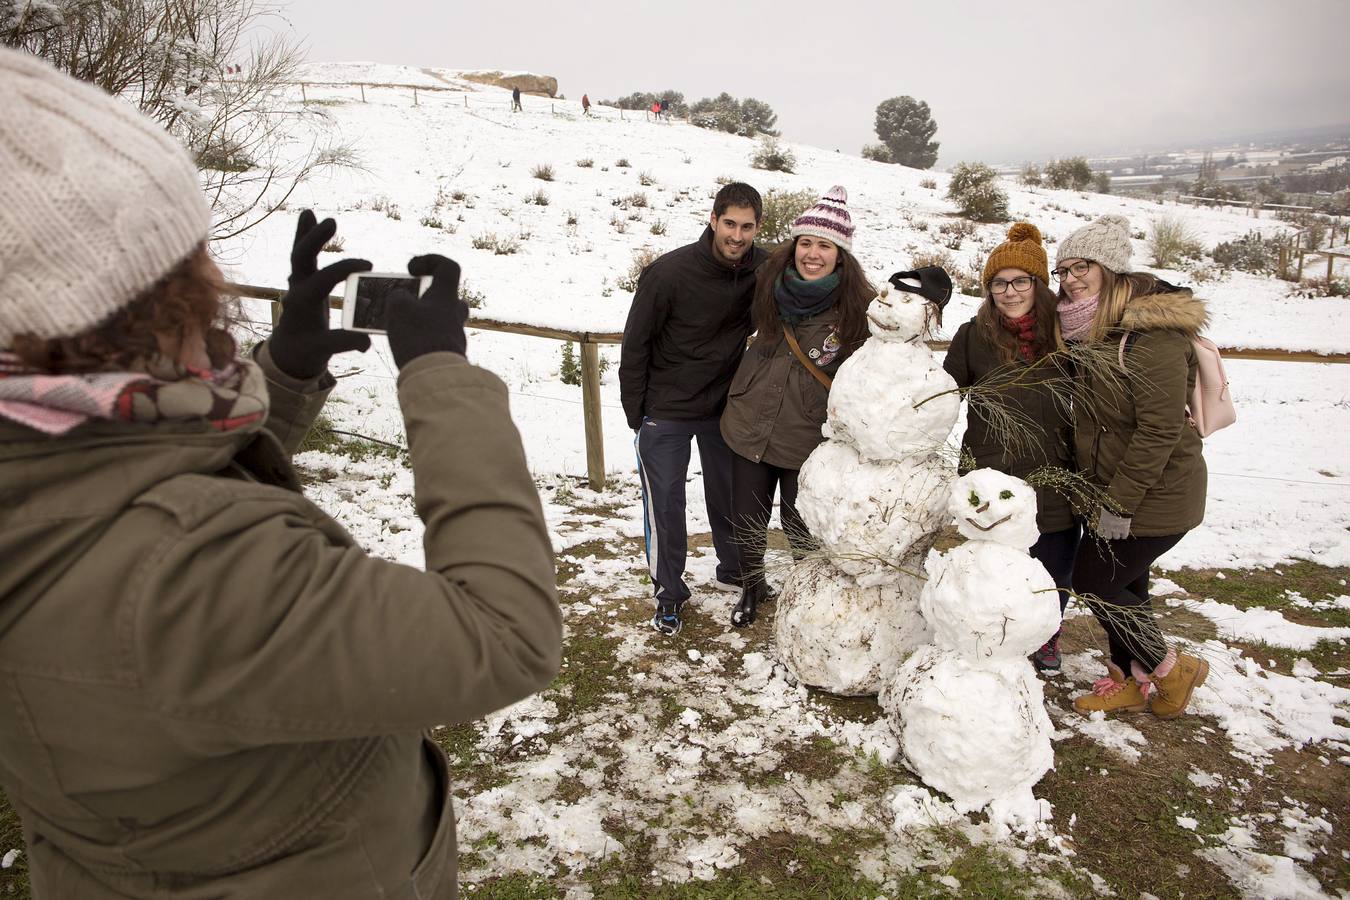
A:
[1130,432]
[775,407]
[208,690]
[972,359]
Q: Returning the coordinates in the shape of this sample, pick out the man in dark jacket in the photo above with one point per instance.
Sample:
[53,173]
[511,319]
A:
[685,335]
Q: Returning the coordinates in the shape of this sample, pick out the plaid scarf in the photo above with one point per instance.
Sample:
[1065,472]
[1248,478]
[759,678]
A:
[166,390]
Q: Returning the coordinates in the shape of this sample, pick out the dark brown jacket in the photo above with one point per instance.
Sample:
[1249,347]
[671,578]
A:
[775,407]
[208,690]
[685,333]
[1130,430]
[1029,394]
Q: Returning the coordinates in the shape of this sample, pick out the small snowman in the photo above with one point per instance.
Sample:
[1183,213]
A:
[969,710]
[848,616]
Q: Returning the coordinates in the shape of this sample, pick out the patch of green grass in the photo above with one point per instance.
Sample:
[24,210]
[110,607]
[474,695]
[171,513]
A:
[512,887]
[582,682]
[323,437]
[14,880]
[985,871]
[1266,587]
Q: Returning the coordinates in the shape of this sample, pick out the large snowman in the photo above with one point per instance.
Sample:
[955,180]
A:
[872,494]
[968,709]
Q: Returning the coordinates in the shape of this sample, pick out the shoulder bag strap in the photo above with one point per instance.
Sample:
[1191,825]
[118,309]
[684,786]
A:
[797,350]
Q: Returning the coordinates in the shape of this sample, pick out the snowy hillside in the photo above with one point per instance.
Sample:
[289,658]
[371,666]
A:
[653,764]
[461,159]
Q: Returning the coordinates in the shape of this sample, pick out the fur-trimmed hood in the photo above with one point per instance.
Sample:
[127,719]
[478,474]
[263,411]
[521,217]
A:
[1174,308]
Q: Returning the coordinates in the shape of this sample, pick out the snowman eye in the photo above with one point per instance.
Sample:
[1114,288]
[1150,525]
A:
[1005,495]
[974,499]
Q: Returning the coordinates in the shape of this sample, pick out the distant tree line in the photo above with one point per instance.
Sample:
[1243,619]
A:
[748,117]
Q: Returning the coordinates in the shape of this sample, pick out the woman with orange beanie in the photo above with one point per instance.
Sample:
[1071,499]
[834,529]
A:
[1006,349]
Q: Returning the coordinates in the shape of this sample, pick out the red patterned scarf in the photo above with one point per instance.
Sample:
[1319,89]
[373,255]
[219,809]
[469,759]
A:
[1024,329]
[228,398]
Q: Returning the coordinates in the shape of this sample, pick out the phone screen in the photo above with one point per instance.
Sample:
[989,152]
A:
[370,311]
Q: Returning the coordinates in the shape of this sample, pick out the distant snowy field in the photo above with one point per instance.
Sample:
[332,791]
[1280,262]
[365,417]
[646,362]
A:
[1279,478]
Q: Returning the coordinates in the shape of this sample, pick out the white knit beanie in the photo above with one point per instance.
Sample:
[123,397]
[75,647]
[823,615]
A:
[1105,240]
[828,219]
[97,202]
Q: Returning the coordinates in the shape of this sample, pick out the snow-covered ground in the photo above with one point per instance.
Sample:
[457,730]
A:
[1279,483]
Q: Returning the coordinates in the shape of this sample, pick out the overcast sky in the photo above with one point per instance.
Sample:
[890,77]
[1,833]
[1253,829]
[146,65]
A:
[1006,81]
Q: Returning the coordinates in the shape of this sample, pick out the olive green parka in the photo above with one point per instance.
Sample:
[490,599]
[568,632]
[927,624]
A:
[208,690]
[1131,436]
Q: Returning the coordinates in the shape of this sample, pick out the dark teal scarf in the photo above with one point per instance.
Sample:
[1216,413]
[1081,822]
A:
[799,299]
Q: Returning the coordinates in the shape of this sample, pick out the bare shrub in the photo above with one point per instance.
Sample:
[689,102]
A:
[489,240]
[645,179]
[780,208]
[1172,242]
[929,184]
[642,257]
[538,198]
[772,156]
[585,163]
[544,172]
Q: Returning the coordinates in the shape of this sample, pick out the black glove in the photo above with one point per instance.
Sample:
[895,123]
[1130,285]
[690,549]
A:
[302,343]
[433,322]
[935,284]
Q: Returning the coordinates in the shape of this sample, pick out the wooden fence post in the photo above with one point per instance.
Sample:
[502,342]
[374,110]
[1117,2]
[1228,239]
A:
[1331,262]
[466,101]
[276,313]
[590,406]
[304,98]
[414,95]
[1300,265]
[363,93]
[1284,260]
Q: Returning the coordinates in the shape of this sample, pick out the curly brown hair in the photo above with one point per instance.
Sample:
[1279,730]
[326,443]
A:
[855,292]
[188,301]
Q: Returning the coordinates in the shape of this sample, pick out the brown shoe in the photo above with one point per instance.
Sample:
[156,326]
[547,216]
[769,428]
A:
[1115,693]
[1174,689]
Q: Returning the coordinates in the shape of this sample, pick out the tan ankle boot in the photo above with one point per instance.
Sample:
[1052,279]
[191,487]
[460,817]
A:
[1174,689]
[1115,693]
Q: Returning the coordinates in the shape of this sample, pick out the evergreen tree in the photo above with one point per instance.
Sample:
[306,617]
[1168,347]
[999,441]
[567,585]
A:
[906,127]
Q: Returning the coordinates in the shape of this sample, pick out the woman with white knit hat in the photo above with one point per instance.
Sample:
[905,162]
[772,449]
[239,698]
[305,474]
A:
[810,314]
[1132,441]
[210,689]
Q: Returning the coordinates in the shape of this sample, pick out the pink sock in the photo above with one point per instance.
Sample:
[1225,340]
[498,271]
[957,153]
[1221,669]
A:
[1166,665]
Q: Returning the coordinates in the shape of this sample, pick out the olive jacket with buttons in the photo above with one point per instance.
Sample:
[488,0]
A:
[208,690]
[775,407]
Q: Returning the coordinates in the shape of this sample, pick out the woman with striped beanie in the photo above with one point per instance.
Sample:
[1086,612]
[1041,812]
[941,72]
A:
[810,314]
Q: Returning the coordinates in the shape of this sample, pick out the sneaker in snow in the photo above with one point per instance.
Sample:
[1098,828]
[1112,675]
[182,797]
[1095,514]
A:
[667,618]
[1046,659]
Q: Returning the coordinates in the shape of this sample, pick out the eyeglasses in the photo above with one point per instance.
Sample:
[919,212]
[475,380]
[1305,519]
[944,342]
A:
[1077,270]
[1019,284]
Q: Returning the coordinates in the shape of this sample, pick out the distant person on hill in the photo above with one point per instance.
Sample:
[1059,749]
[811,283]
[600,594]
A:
[211,690]
[585,105]
[656,111]
[1132,440]
[664,109]
[515,100]
[684,338]
[810,314]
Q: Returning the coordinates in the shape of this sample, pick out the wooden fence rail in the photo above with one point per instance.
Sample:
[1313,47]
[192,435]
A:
[590,342]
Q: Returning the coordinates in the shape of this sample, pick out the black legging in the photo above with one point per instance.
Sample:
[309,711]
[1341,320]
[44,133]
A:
[752,489]
[1113,577]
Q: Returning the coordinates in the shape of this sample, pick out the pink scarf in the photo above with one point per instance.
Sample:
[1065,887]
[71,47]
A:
[228,398]
[1075,317]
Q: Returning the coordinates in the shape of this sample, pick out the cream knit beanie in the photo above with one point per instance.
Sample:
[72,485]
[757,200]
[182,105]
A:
[1105,240]
[97,202]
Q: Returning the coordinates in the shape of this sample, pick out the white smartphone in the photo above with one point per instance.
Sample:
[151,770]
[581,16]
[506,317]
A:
[365,308]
